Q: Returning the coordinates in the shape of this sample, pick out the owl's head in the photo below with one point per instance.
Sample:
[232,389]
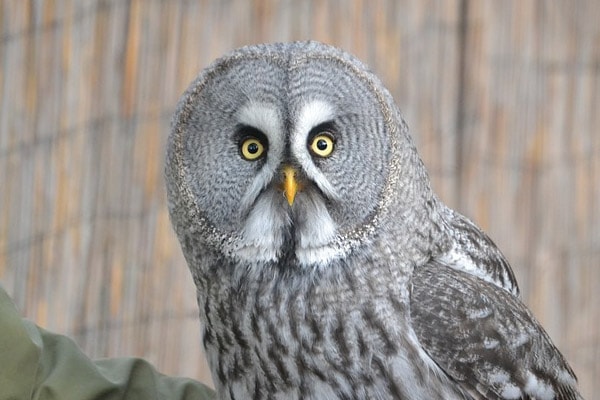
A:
[291,151]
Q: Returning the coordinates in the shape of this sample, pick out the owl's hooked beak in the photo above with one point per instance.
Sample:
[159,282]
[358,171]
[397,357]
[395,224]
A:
[289,184]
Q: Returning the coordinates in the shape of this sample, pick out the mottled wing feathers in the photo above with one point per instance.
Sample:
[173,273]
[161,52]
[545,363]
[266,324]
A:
[485,338]
[474,252]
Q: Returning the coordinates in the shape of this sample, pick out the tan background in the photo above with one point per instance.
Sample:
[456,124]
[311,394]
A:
[503,98]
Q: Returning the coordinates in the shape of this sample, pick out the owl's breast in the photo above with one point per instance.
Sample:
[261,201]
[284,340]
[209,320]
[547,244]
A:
[280,335]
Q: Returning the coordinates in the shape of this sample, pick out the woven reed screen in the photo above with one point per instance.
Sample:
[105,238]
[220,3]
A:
[503,99]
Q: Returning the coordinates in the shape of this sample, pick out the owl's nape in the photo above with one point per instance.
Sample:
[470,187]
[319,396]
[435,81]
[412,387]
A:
[325,265]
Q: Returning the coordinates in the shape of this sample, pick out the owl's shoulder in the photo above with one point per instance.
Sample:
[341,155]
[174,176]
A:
[472,251]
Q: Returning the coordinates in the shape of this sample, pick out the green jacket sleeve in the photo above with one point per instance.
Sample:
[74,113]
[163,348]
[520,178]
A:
[39,365]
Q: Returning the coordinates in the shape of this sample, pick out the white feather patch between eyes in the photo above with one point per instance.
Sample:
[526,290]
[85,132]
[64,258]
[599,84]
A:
[311,115]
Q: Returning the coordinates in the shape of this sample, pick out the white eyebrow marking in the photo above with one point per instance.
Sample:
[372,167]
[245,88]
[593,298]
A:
[311,114]
[263,117]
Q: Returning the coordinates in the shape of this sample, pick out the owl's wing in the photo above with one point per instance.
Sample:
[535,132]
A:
[485,339]
[474,252]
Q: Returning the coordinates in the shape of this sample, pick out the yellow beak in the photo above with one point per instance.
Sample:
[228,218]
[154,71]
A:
[290,185]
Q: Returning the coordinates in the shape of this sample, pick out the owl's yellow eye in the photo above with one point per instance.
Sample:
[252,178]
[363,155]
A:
[322,145]
[252,149]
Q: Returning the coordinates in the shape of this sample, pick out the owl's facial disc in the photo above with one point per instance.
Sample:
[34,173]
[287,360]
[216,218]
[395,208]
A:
[236,135]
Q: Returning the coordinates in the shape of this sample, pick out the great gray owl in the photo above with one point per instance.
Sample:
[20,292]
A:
[325,266]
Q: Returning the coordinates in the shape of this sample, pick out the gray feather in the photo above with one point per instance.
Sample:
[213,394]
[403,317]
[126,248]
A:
[485,338]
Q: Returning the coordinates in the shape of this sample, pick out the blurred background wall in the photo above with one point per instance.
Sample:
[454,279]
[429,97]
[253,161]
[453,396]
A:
[503,99]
